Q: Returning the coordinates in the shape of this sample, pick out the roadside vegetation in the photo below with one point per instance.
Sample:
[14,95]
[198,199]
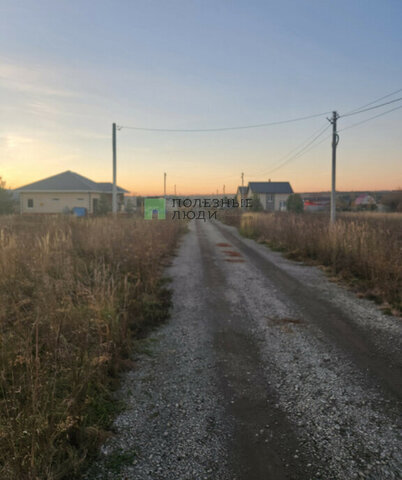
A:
[7,203]
[74,293]
[364,249]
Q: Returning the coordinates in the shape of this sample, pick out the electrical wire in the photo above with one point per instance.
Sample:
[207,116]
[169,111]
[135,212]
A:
[300,147]
[371,108]
[375,101]
[301,153]
[298,154]
[221,129]
[370,118]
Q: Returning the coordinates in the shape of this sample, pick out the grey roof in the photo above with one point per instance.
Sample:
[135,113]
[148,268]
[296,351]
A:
[270,187]
[108,186]
[69,181]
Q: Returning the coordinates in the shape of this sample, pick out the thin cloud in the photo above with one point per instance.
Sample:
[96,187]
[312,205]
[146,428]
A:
[30,80]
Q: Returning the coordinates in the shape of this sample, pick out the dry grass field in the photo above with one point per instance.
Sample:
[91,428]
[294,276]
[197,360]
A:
[363,248]
[73,294]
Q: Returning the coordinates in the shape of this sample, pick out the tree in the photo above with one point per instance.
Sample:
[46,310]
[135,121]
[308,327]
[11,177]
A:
[104,205]
[6,199]
[295,203]
[256,205]
[393,201]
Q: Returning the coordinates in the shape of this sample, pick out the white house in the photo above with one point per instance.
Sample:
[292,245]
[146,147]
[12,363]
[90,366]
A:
[66,191]
[272,195]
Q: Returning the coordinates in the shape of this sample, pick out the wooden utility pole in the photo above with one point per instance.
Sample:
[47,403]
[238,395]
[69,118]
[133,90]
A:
[164,184]
[224,190]
[114,190]
[242,179]
[335,141]
[175,190]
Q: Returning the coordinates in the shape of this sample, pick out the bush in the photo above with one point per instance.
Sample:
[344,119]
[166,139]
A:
[104,205]
[295,203]
[393,201]
[6,199]
[256,205]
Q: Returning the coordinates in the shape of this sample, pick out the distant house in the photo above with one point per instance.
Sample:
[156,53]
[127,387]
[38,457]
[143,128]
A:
[364,201]
[272,195]
[64,192]
[241,194]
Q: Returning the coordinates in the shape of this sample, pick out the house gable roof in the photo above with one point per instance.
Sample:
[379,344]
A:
[69,182]
[270,187]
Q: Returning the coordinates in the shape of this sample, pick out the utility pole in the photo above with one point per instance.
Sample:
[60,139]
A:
[335,141]
[175,190]
[224,190]
[242,179]
[164,184]
[114,190]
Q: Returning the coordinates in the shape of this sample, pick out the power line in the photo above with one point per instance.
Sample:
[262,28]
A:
[221,129]
[298,147]
[311,145]
[303,151]
[375,101]
[370,118]
[372,108]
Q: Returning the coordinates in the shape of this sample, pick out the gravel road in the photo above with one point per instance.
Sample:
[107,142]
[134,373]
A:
[266,370]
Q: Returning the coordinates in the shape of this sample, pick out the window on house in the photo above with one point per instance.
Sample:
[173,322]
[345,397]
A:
[270,197]
[30,203]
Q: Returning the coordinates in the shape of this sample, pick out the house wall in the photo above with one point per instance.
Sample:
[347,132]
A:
[44,202]
[240,197]
[275,204]
[281,198]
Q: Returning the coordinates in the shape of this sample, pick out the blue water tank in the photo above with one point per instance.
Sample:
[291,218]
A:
[79,211]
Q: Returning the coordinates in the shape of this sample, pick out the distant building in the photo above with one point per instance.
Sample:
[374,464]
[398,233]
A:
[364,201]
[131,201]
[272,195]
[65,192]
[241,194]
[316,202]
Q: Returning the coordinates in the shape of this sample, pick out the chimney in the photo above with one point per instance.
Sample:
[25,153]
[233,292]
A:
[269,179]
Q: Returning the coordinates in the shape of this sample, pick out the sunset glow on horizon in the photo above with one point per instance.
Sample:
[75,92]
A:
[70,71]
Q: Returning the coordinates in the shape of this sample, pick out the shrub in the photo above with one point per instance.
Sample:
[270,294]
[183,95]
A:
[295,203]
[393,201]
[6,199]
[256,205]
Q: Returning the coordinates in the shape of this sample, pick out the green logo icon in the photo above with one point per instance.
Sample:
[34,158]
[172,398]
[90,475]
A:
[155,208]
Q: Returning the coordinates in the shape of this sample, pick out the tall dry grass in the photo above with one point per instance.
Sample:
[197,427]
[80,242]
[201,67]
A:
[364,249]
[73,292]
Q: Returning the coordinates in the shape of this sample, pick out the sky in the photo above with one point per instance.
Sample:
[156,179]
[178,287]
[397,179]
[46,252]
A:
[69,69]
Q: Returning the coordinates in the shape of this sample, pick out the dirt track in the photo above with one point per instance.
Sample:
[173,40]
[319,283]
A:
[266,370]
